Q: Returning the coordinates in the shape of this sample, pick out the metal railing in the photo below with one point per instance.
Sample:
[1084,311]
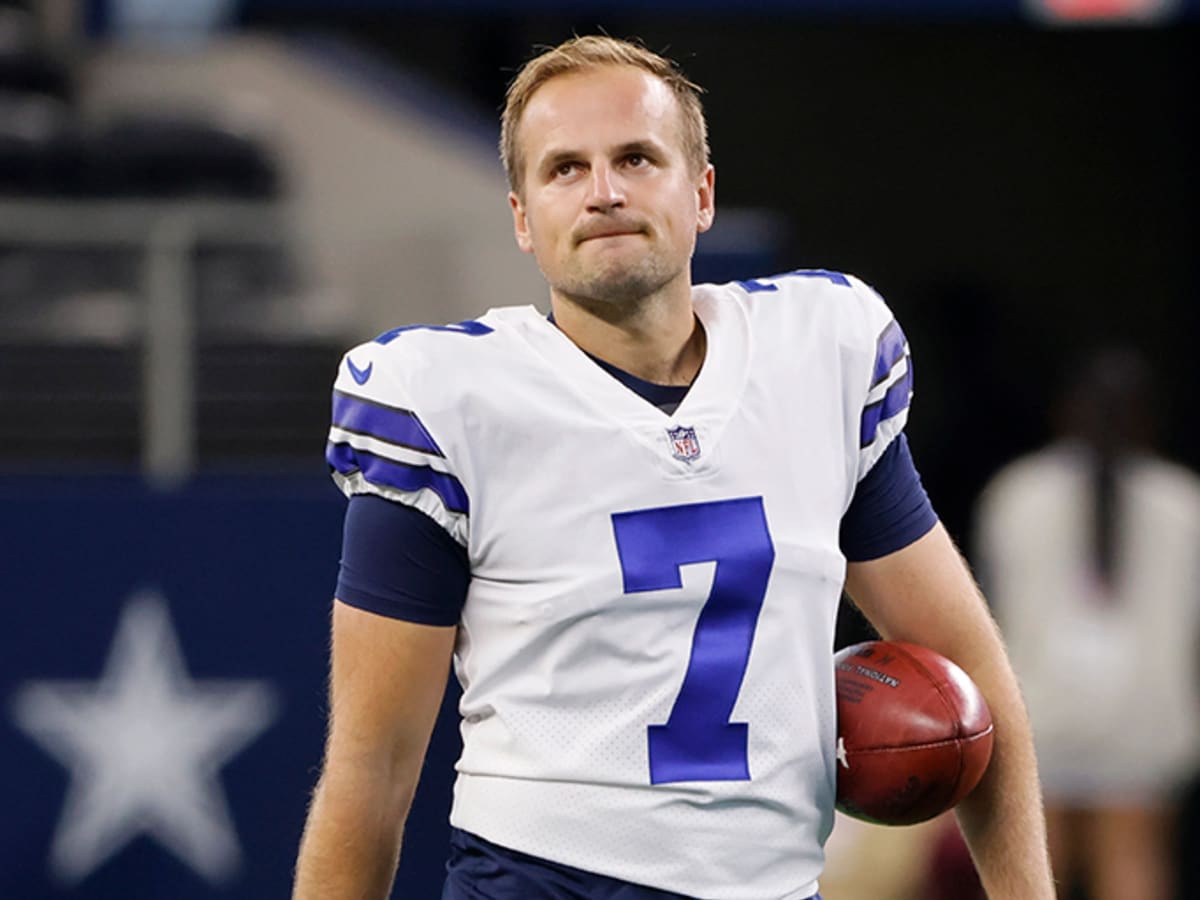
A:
[166,235]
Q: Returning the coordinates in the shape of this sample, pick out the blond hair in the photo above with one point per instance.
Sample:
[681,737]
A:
[590,52]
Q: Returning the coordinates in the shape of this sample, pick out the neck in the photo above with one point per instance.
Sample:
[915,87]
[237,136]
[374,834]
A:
[659,339]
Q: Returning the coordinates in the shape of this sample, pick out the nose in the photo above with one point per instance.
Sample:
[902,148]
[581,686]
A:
[605,190]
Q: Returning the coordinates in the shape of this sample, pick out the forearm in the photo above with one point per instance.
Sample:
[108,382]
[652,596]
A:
[925,594]
[1002,819]
[351,843]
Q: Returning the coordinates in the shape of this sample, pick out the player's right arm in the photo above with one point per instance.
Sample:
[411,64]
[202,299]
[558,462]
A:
[401,588]
[387,678]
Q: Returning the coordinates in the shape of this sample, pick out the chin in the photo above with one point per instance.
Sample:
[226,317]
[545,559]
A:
[621,288]
[617,279]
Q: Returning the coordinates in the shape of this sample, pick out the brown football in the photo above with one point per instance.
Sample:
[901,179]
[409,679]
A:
[914,732]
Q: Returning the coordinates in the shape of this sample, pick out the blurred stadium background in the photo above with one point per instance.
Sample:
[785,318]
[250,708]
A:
[203,202]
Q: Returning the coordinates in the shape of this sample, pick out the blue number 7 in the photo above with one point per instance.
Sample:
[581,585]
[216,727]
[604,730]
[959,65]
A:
[698,742]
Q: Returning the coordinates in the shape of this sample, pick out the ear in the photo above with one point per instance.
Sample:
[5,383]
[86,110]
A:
[706,196]
[520,223]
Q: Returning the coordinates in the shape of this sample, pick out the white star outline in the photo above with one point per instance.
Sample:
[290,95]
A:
[144,745]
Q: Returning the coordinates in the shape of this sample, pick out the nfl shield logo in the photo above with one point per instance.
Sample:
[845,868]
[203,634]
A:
[684,443]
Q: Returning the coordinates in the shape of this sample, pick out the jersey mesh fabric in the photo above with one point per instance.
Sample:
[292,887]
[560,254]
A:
[396,561]
[656,709]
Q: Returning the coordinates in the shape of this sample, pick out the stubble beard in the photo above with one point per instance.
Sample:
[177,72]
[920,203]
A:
[615,287]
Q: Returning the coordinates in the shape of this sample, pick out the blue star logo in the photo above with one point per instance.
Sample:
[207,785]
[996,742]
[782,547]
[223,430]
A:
[144,744]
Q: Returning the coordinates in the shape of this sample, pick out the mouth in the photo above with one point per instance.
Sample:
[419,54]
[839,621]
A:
[610,233]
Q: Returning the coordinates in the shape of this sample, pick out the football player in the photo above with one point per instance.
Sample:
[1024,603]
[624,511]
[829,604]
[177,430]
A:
[629,524]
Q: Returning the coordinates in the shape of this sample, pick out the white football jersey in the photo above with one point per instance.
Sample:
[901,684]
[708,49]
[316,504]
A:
[645,649]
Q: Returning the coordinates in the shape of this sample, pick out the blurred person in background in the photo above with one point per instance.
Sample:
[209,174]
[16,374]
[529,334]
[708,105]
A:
[1089,550]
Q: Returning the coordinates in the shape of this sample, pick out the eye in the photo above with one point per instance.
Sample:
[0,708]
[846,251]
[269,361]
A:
[636,160]
[565,169]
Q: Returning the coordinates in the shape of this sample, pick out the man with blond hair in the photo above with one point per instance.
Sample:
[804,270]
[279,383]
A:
[628,524]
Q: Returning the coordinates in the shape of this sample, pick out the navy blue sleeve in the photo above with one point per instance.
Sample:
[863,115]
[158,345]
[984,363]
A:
[890,508]
[398,562]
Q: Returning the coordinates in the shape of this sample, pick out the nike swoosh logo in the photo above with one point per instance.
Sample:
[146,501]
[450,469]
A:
[359,375]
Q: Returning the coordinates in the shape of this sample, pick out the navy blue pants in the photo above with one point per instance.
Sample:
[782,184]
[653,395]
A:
[481,870]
